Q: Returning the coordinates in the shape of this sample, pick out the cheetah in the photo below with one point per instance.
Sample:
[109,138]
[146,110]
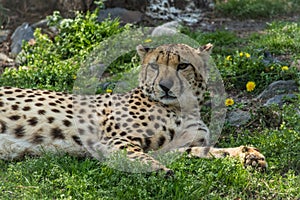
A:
[160,115]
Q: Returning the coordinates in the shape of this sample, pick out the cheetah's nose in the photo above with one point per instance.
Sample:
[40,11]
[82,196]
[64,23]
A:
[166,85]
[164,88]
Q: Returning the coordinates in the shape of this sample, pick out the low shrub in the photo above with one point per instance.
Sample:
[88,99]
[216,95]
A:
[53,63]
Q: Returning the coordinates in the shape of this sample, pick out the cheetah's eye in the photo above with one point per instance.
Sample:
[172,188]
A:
[153,66]
[182,66]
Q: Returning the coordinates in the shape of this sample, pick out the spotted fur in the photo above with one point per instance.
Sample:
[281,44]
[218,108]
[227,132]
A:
[161,115]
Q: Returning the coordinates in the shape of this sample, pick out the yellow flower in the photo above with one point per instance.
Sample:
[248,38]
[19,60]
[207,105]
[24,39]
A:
[247,55]
[108,91]
[148,40]
[228,58]
[241,54]
[250,86]
[229,102]
[284,68]
[272,67]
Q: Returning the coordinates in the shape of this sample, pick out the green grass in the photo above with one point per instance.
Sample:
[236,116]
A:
[69,178]
[280,38]
[66,177]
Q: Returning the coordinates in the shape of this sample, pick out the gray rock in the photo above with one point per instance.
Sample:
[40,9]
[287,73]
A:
[169,28]
[126,16]
[277,88]
[279,99]
[3,35]
[238,117]
[23,32]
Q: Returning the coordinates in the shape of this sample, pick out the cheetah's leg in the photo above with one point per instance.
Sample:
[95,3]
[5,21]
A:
[133,153]
[138,155]
[249,156]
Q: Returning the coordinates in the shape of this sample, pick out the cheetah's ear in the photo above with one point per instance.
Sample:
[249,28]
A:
[142,50]
[206,48]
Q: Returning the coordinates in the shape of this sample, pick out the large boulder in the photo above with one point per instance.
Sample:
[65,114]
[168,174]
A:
[238,117]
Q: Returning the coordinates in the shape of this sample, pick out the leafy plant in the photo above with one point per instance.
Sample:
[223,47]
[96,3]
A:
[242,68]
[77,36]
[53,64]
[42,68]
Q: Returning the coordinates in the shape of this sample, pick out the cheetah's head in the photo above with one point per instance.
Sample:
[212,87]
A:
[169,70]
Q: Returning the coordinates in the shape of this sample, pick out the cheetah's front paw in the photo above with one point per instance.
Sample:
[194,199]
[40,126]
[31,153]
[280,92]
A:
[250,156]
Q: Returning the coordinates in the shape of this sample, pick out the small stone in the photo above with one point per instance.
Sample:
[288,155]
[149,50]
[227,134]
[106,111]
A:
[277,88]
[169,28]
[238,117]
[279,99]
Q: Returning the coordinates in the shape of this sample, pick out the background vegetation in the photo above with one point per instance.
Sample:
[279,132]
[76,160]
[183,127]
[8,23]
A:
[251,9]
[52,63]
[3,15]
